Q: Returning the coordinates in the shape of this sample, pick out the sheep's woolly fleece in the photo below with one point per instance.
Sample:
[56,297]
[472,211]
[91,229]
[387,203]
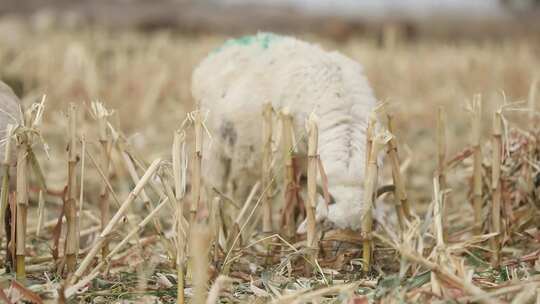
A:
[235,81]
[10,113]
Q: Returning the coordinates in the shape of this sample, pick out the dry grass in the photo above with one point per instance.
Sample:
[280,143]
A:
[145,78]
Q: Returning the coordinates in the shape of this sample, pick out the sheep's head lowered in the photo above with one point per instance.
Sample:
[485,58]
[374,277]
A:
[235,81]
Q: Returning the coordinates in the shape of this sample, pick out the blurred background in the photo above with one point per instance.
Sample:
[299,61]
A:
[338,19]
[137,57]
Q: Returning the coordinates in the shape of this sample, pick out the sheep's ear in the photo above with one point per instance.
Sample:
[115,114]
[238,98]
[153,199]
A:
[384,189]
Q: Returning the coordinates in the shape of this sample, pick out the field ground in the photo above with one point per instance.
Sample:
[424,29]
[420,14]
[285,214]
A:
[145,78]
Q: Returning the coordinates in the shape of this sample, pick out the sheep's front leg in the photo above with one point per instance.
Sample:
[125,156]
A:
[216,169]
[244,171]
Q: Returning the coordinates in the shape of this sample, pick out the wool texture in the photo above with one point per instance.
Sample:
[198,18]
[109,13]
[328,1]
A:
[236,80]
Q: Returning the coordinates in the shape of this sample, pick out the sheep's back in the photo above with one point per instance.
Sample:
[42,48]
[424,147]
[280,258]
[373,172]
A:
[234,83]
[241,77]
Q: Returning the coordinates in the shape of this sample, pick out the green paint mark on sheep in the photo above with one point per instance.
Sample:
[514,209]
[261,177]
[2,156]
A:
[262,39]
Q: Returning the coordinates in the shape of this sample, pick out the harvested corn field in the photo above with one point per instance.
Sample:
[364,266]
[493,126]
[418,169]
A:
[108,202]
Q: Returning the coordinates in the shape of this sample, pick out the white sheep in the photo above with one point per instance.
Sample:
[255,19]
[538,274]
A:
[10,113]
[235,81]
